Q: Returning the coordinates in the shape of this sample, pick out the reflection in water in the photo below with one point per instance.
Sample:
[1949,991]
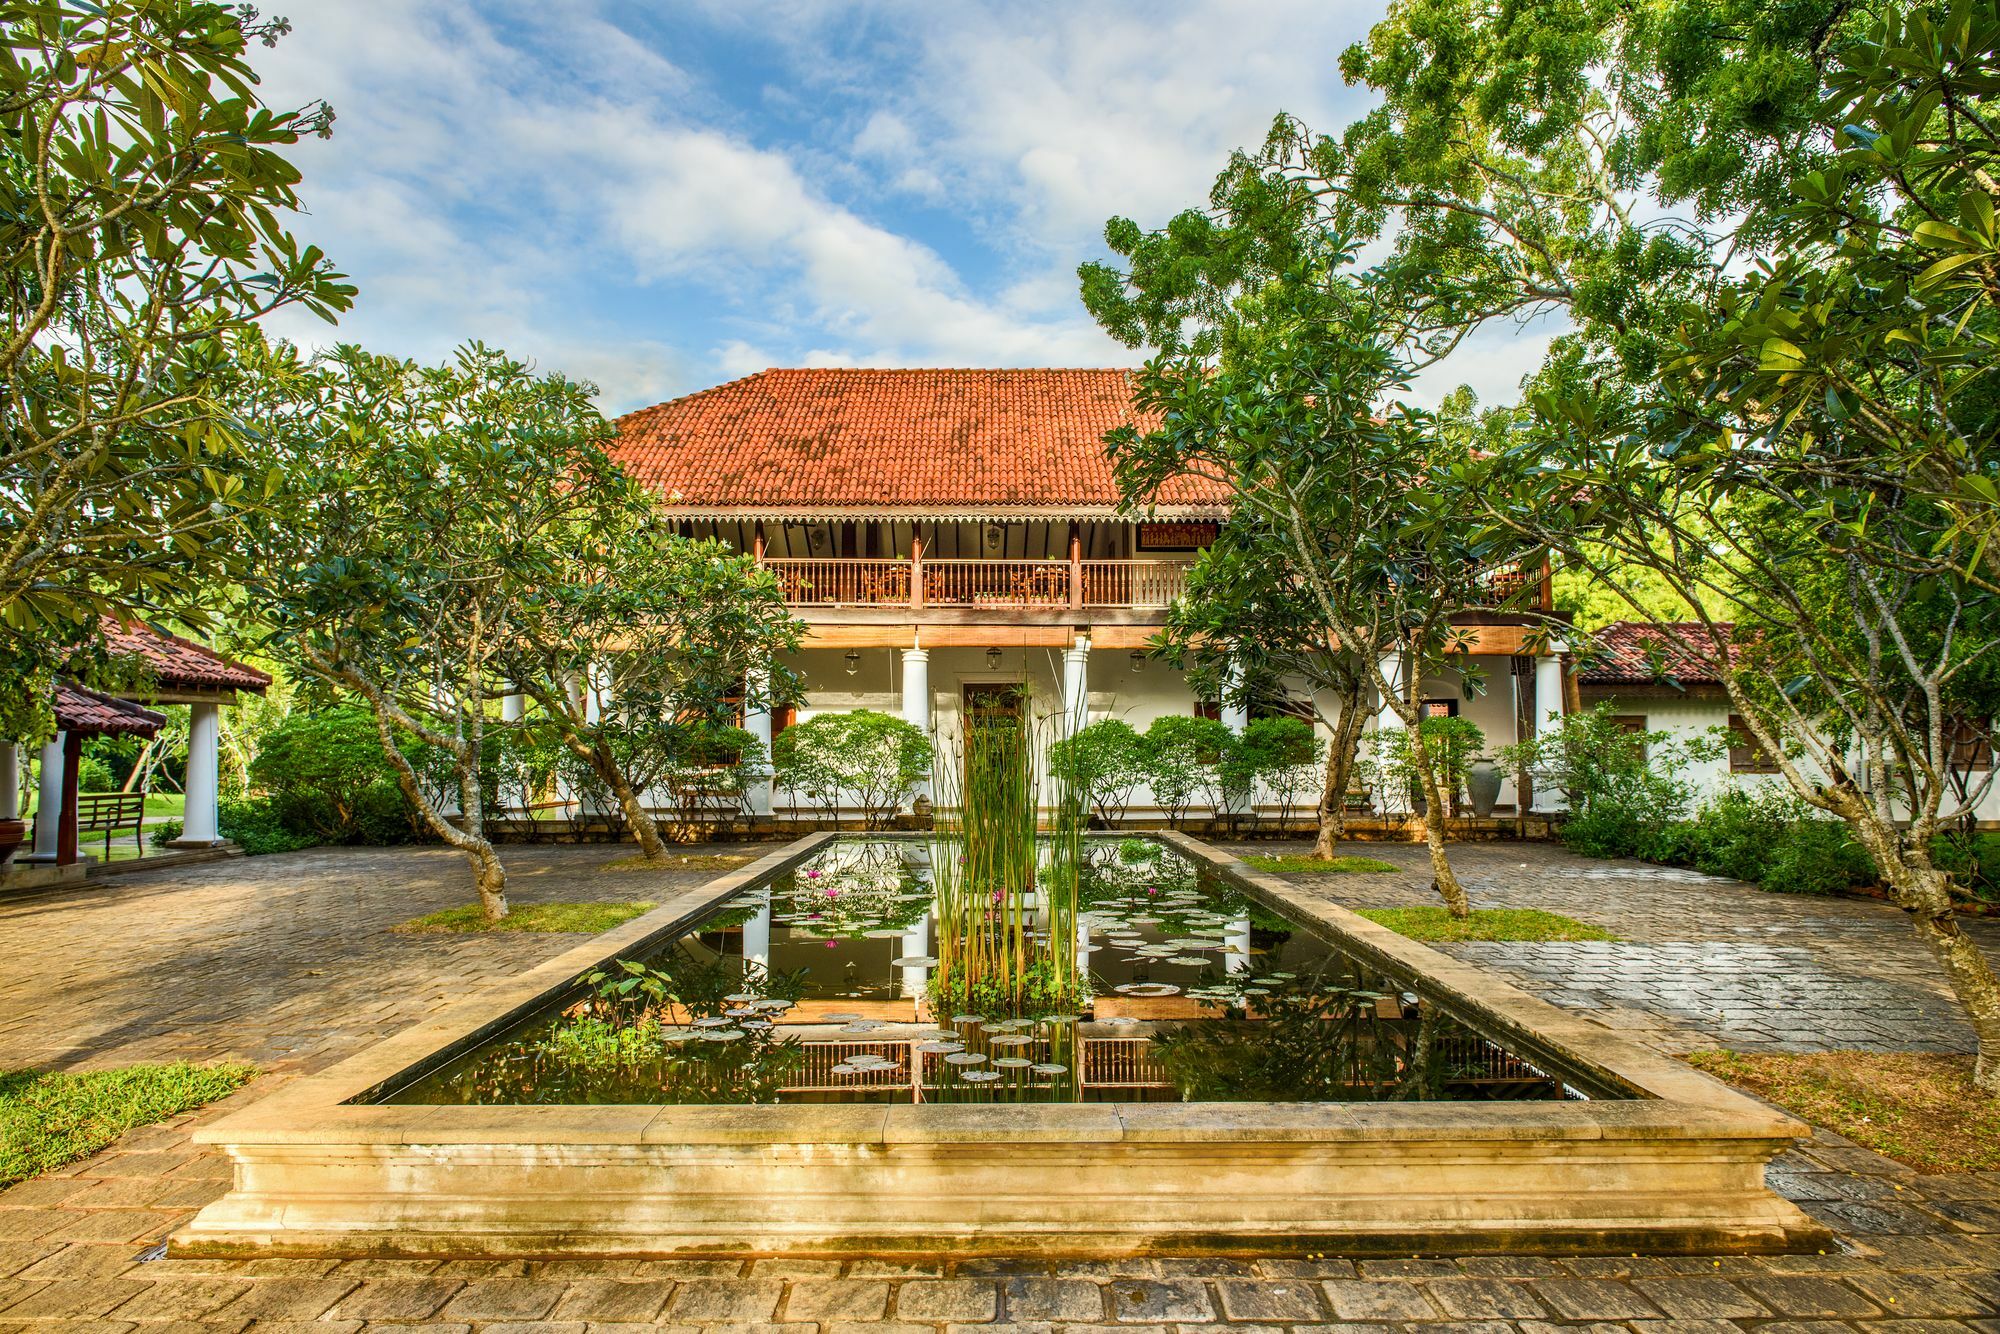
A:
[812,990]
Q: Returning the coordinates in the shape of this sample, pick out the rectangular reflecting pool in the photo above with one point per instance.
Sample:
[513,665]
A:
[815,988]
[1235,1067]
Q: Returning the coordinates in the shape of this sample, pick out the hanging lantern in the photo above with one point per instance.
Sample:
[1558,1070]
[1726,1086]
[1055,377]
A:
[853,661]
[993,660]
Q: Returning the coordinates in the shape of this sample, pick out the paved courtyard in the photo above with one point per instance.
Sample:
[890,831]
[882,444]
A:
[288,961]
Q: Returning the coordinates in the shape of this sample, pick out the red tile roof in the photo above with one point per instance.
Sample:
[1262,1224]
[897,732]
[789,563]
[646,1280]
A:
[86,711]
[182,664]
[1640,653]
[960,442]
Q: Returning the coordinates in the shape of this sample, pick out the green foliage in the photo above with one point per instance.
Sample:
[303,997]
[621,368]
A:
[1770,839]
[578,918]
[1454,743]
[255,825]
[325,774]
[870,758]
[1972,860]
[1621,788]
[1282,753]
[1294,865]
[1182,756]
[144,199]
[49,1119]
[94,775]
[1436,924]
[1102,764]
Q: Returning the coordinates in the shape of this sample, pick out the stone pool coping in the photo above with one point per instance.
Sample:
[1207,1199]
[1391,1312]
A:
[321,1170]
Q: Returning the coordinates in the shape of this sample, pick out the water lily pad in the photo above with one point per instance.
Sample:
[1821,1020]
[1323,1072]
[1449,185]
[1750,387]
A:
[979,1076]
[940,1048]
[1013,1062]
[914,961]
[1049,1068]
[967,1058]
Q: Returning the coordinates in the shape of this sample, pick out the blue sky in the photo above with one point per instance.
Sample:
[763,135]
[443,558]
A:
[662,196]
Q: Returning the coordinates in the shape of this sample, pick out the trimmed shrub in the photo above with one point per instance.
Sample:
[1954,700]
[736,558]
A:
[872,757]
[255,826]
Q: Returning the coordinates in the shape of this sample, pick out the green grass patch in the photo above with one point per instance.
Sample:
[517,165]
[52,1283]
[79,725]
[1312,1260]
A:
[1920,1108]
[677,861]
[1289,864]
[581,918]
[1484,924]
[166,803]
[48,1119]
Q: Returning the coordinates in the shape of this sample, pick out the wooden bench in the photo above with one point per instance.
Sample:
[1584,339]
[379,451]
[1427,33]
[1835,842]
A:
[108,812]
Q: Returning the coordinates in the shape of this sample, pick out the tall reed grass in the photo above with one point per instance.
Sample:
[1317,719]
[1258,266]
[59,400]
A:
[1007,897]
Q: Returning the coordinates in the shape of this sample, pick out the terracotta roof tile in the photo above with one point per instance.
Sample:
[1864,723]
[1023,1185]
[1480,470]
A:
[1639,653]
[182,664]
[867,440]
[86,711]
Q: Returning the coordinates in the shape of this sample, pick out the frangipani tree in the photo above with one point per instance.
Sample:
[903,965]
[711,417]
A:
[1289,395]
[1816,465]
[143,198]
[638,641]
[413,513]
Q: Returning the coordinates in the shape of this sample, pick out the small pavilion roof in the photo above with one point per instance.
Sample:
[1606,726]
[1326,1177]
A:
[858,443]
[182,664]
[90,713]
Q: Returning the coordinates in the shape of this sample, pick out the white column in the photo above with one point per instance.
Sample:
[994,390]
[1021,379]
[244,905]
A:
[513,708]
[49,800]
[596,691]
[1386,717]
[916,945]
[917,701]
[1076,687]
[1238,941]
[757,940]
[757,722]
[198,825]
[1548,715]
[1236,717]
[10,781]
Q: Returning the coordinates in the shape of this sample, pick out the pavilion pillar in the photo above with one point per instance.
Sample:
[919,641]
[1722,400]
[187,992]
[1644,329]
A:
[72,751]
[757,722]
[199,825]
[10,781]
[917,703]
[1548,713]
[49,800]
[757,943]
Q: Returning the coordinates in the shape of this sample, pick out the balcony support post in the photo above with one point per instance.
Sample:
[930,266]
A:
[917,571]
[1076,686]
[917,700]
[1075,566]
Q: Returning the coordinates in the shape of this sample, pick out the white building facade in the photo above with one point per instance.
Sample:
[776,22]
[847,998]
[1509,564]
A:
[952,536]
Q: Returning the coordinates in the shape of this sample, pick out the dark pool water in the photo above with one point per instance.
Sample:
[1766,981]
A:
[812,989]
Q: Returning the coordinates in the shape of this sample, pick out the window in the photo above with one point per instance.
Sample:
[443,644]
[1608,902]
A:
[1438,708]
[1208,708]
[1745,755]
[1969,743]
[1634,723]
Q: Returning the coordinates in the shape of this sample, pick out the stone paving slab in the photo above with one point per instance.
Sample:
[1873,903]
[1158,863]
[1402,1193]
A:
[1701,961]
[290,959]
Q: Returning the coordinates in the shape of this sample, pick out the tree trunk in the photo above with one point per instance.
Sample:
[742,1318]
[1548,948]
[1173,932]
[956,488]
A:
[1924,892]
[1443,880]
[1339,772]
[490,876]
[637,818]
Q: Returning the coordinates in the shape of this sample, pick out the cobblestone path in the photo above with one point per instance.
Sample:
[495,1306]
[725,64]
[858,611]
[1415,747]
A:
[289,961]
[1701,961]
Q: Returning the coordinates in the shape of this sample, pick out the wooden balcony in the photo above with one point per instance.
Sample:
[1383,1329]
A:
[927,584]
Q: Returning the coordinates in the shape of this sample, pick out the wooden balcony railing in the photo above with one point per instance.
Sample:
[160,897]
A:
[858,582]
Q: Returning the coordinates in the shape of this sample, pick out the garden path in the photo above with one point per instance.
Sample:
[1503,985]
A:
[1700,961]
[289,961]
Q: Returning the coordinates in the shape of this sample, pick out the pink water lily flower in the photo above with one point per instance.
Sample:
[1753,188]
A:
[833,944]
